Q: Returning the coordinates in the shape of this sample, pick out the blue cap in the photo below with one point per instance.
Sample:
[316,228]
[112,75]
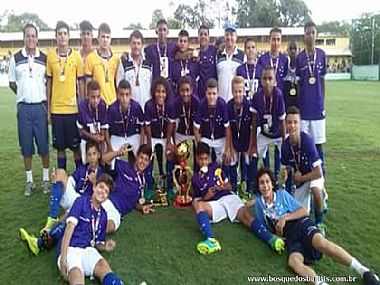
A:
[229,27]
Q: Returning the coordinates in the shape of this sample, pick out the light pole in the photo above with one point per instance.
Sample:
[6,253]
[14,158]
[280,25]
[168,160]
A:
[373,39]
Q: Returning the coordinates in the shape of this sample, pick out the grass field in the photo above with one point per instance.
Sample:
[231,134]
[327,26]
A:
[161,248]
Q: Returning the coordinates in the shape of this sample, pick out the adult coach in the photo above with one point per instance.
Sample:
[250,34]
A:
[26,79]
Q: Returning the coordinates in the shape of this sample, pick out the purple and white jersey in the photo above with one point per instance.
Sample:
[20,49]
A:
[251,75]
[202,182]
[88,221]
[92,120]
[240,121]
[212,121]
[153,53]
[226,68]
[125,123]
[312,99]
[279,64]
[207,68]
[157,120]
[139,76]
[183,115]
[269,112]
[128,185]
[180,68]
[80,175]
[303,157]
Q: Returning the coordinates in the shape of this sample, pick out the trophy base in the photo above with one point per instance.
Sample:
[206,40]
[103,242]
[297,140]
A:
[182,201]
[159,199]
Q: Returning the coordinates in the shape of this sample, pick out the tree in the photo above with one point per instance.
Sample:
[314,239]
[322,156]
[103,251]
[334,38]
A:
[17,22]
[293,13]
[156,16]
[193,17]
[134,26]
[335,28]
[174,24]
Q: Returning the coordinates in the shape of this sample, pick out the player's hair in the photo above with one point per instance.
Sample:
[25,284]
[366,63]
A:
[204,27]
[247,41]
[292,45]
[145,149]
[184,80]
[212,83]
[30,25]
[183,33]
[293,110]
[275,30]
[106,179]
[93,85]
[62,25]
[90,144]
[161,22]
[202,148]
[309,24]
[266,68]
[237,80]
[85,26]
[160,81]
[137,35]
[104,28]
[260,173]
[124,84]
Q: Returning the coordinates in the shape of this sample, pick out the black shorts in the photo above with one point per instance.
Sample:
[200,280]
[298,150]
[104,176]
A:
[299,235]
[65,131]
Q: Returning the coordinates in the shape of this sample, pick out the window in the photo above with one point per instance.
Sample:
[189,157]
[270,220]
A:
[320,42]
[330,42]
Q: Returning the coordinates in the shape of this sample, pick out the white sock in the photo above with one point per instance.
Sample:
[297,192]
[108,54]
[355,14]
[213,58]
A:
[45,174]
[29,176]
[358,267]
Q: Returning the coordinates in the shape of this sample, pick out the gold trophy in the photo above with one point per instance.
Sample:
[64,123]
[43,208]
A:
[182,176]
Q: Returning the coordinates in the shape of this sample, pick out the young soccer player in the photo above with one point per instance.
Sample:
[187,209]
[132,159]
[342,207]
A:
[86,37]
[269,115]
[27,80]
[240,119]
[291,97]
[136,69]
[126,119]
[275,58]
[183,65]
[102,65]
[284,215]
[249,70]
[66,189]
[299,152]
[207,60]
[311,69]
[157,121]
[227,62]
[161,54]
[211,124]
[92,120]
[84,235]
[214,201]
[64,67]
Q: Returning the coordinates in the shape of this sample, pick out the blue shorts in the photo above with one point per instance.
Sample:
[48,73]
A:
[32,126]
[299,235]
[65,131]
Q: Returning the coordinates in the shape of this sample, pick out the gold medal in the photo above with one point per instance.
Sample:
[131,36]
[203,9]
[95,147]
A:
[142,201]
[92,242]
[250,94]
[293,92]
[62,78]
[312,80]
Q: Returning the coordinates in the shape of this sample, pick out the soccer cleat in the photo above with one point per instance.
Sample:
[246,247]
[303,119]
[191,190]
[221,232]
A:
[45,185]
[325,198]
[208,246]
[29,187]
[50,222]
[30,240]
[277,244]
[322,229]
[370,278]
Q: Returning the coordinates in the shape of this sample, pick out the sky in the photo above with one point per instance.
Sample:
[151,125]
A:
[119,14]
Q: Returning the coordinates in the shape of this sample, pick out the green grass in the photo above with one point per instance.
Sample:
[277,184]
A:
[161,248]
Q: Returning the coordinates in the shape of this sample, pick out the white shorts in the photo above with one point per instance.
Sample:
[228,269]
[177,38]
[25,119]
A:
[316,129]
[264,142]
[236,158]
[180,138]
[83,258]
[83,151]
[70,195]
[218,145]
[226,207]
[117,142]
[112,213]
[302,194]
